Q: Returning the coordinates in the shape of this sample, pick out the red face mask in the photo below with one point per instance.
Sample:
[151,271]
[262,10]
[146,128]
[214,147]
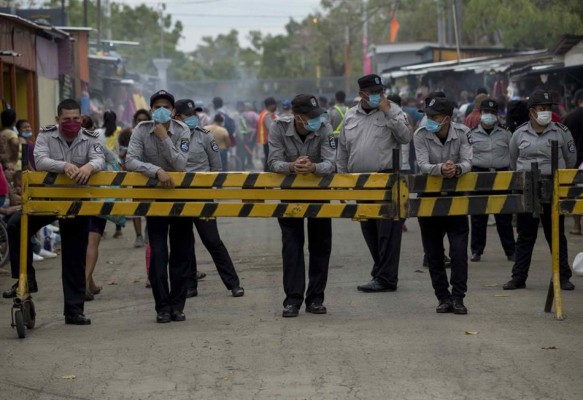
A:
[70,129]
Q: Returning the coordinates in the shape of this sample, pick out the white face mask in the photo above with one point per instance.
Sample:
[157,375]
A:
[543,118]
[488,119]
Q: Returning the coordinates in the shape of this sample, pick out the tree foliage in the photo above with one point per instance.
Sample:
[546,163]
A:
[318,42]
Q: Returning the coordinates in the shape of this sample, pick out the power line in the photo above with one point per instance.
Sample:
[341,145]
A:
[177,14]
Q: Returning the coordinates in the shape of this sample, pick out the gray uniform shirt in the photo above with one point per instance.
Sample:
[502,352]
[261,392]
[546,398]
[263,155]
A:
[526,147]
[367,141]
[432,154]
[203,154]
[147,154]
[285,146]
[490,150]
[51,151]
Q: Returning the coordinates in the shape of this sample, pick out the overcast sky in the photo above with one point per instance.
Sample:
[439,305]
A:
[212,17]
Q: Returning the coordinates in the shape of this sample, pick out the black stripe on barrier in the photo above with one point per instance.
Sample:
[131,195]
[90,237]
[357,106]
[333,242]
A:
[578,178]
[326,181]
[142,209]
[575,192]
[313,210]
[50,178]
[387,210]
[388,195]
[511,205]
[220,179]
[209,209]
[246,210]
[74,208]
[176,209]
[413,207]
[477,205]
[418,183]
[118,179]
[442,206]
[361,181]
[392,181]
[187,180]
[106,208]
[349,211]
[279,210]
[485,181]
[449,185]
[250,180]
[516,182]
[152,182]
[288,181]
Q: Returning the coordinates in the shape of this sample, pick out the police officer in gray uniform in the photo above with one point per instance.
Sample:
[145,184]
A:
[204,156]
[63,148]
[371,131]
[443,149]
[490,143]
[303,144]
[531,142]
[156,148]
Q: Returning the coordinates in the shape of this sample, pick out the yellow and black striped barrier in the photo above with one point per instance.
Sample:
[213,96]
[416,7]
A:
[214,194]
[475,193]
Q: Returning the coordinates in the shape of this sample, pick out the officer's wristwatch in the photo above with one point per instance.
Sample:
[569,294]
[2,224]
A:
[458,170]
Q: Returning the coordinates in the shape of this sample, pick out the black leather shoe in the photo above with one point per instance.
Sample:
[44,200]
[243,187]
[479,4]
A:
[374,287]
[316,308]
[200,275]
[77,319]
[567,285]
[238,292]
[511,257]
[191,293]
[475,257]
[447,261]
[163,317]
[290,311]
[458,306]
[444,306]
[11,293]
[177,316]
[513,285]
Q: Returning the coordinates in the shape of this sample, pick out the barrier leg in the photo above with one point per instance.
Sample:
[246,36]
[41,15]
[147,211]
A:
[555,249]
[19,317]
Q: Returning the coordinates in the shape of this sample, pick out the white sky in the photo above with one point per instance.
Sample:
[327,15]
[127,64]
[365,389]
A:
[212,17]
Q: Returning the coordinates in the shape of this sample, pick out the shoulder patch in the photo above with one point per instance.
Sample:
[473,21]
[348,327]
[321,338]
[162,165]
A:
[97,147]
[48,128]
[572,147]
[470,139]
[332,142]
[184,145]
[214,145]
[562,127]
[89,133]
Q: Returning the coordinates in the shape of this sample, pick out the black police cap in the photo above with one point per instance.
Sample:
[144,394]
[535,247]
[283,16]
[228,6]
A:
[439,106]
[540,96]
[185,107]
[307,105]
[162,94]
[370,82]
[490,105]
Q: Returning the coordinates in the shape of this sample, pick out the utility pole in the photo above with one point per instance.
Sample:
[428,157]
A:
[440,23]
[85,21]
[98,25]
[162,63]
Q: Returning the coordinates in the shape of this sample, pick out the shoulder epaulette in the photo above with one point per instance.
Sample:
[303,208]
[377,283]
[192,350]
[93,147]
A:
[520,126]
[563,127]
[198,128]
[48,128]
[90,133]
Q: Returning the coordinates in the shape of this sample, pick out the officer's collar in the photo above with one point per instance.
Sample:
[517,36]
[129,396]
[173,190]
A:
[451,134]
[291,131]
[363,111]
[57,134]
[481,129]
[550,127]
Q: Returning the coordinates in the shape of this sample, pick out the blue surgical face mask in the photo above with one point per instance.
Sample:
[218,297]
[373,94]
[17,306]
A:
[161,115]
[192,121]
[432,126]
[374,100]
[313,124]
[488,119]
[26,135]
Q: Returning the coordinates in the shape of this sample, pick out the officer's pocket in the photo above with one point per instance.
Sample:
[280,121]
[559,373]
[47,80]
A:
[351,131]
[523,145]
[501,149]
